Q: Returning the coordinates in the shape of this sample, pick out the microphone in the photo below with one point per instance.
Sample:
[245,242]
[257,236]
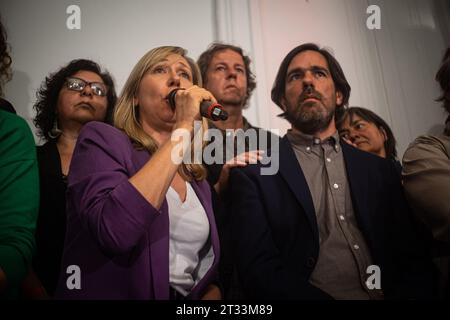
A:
[208,109]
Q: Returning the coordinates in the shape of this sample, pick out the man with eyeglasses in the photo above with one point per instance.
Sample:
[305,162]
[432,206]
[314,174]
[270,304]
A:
[76,94]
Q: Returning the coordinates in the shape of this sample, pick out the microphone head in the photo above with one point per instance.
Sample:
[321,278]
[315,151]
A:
[213,111]
[224,115]
[220,113]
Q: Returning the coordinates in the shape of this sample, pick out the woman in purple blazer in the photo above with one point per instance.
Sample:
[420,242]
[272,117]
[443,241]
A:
[140,223]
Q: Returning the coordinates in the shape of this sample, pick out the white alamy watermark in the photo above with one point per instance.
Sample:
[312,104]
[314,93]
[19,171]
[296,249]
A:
[374,20]
[73,21]
[74,279]
[374,280]
[218,151]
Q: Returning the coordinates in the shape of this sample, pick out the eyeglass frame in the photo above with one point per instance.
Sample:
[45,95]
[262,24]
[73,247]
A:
[87,83]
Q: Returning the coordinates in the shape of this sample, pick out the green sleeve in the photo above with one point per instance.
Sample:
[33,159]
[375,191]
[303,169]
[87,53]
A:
[19,198]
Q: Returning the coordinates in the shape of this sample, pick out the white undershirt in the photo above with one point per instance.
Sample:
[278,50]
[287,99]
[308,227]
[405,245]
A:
[189,232]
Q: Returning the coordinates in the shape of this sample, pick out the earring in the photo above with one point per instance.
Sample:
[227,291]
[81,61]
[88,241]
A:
[55,132]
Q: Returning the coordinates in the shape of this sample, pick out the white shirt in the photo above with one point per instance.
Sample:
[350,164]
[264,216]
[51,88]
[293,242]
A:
[189,259]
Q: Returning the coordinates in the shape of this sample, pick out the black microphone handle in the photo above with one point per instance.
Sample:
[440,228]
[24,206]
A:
[171,98]
[208,109]
[213,111]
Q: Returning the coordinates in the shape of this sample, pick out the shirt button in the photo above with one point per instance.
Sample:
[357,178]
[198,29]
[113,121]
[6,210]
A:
[356,247]
[341,217]
[328,160]
[336,186]
[308,149]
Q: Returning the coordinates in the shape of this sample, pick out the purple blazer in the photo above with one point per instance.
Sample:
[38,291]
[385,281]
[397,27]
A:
[119,241]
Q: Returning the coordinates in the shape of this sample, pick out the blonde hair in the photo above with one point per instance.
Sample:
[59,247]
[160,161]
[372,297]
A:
[126,114]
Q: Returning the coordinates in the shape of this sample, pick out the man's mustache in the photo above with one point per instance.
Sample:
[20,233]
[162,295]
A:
[309,92]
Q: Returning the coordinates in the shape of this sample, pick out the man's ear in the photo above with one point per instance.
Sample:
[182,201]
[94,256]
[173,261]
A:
[339,98]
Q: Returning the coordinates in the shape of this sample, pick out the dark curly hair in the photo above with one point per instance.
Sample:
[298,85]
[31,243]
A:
[205,59]
[47,95]
[5,59]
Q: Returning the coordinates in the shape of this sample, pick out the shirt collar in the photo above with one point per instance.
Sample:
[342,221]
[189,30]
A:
[301,139]
[247,125]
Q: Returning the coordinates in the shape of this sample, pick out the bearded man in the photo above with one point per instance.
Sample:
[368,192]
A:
[333,222]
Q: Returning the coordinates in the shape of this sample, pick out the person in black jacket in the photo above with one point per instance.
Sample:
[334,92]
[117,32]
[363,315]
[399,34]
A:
[76,94]
[333,221]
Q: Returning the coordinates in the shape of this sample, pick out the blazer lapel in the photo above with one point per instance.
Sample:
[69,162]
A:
[158,241]
[291,171]
[359,184]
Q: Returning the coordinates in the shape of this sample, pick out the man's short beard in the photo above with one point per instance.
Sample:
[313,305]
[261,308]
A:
[237,102]
[309,121]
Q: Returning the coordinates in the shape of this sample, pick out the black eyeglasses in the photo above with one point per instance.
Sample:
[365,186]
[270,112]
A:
[77,84]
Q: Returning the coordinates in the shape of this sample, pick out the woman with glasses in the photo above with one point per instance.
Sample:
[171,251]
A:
[140,221]
[76,94]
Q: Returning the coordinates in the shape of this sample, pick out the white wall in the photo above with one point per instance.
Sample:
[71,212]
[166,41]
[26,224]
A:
[391,70]
[114,33]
